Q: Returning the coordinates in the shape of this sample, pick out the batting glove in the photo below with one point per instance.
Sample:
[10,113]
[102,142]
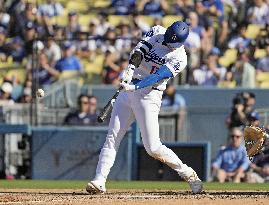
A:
[128,74]
[127,87]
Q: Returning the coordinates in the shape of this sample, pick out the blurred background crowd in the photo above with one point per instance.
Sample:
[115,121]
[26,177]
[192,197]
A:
[44,41]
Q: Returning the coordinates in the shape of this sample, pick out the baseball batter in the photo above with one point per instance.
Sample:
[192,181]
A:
[159,56]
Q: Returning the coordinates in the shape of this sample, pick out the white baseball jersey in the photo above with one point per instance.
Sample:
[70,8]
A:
[155,54]
[143,105]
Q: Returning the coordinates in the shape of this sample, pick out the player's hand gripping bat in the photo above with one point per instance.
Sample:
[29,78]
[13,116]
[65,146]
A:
[108,108]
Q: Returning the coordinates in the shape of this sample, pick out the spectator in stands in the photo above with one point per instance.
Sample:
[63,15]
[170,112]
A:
[4,18]
[242,104]
[139,27]
[58,32]
[68,62]
[30,34]
[194,40]
[24,13]
[123,7]
[5,93]
[72,27]
[240,41]
[52,50]
[263,63]
[228,81]
[237,14]
[182,7]
[173,100]
[249,102]
[216,8]
[103,24]
[45,74]
[50,8]
[152,7]
[16,49]
[243,71]
[124,42]
[205,22]
[113,68]
[231,163]
[253,119]
[260,174]
[94,42]
[27,92]
[85,114]
[210,73]
[3,45]
[259,13]
[108,45]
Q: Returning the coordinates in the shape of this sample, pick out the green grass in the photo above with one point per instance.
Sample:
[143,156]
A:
[73,184]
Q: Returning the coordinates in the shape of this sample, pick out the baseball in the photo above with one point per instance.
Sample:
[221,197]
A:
[40,93]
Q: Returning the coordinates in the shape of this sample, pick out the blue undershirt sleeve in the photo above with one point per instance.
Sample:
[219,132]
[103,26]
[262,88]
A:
[162,73]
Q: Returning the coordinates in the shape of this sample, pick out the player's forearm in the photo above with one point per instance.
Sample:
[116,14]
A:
[162,73]
[134,62]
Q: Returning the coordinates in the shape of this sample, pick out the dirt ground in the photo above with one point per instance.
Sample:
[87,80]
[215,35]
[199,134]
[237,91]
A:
[130,197]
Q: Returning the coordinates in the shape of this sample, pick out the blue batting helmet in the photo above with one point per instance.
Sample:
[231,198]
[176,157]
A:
[176,33]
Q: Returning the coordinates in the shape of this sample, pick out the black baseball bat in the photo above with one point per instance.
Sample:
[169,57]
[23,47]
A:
[108,108]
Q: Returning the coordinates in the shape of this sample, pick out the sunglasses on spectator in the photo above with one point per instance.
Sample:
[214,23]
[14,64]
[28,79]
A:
[235,136]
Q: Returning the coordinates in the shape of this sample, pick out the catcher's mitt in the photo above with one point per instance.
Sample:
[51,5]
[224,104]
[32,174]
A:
[254,139]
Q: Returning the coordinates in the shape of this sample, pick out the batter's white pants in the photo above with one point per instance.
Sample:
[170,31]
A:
[144,106]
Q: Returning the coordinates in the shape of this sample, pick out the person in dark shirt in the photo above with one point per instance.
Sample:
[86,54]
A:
[45,74]
[122,7]
[16,49]
[85,114]
[153,7]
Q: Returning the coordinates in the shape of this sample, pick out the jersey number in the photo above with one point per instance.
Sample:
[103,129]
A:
[153,69]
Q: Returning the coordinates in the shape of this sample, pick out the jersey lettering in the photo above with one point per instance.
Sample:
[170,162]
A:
[149,34]
[152,56]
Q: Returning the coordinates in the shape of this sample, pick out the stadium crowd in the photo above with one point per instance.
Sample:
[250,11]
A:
[45,40]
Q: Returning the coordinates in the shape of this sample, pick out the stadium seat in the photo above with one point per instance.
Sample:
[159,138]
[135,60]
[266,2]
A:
[63,2]
[84,20]
[262,77]
[169,19]
[101,4]
[6,65]
[60,20]
[79,6]
[117,19]
[226,84]
[19,74]
[147,19]
[68,74]
[96,66]
[253,31]
[228,58]
[264,84]
[260,53]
